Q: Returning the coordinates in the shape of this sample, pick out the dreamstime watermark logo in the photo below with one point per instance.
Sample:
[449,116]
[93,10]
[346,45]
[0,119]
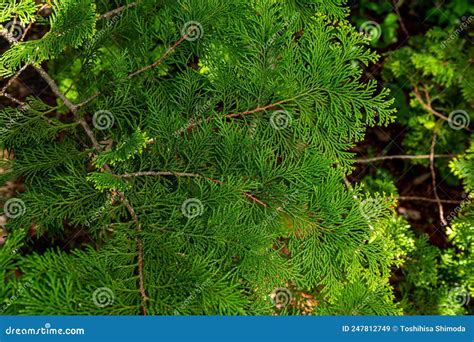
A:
[15,30]
[272,216]
[200,110]
[16,117]
[99,212]
[22,288]
[361,305]
[467,199]
[459,296]
[103,119]
[11,122]
[364,302]
[281,297]
[103,296]
[192,208]
[46,330]
[280,119]
[103,31]
[192,297]
[459,119]
[281,31]
[192,30]
[465,22]
[371,30]
[14,208]
[370,208]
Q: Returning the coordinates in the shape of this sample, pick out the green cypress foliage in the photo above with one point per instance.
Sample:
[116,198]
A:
[210,182]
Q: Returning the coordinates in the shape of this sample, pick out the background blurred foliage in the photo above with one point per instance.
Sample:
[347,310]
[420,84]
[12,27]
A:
[429,59]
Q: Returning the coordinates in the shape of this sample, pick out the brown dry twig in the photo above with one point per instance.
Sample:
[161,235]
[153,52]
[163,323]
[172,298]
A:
[116,11]
[161,59]
[409,157]
[427,105]
[249,196]
[4,93]
[400,19]
[425,199]
[433,179]
[192,123]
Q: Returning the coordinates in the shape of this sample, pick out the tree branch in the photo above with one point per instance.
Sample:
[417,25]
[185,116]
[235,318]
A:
[4,93]
[420,156]
[429,108]
[116,11]
[161,173]
[400,19]
[139,242]
[191,124]
[13,78]
[433,179]
[256,110]
[55,89]
[161,59]
[8,36]
[188,174]
[425,199]
[86,101]
[11,98]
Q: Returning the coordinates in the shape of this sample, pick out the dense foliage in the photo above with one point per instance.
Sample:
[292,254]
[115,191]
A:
[191,157]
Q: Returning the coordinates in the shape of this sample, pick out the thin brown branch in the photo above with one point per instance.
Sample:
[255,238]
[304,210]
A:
[43,7]
[427,95]
[400,19]
[139,242]
[13,78]
[254,199]
[11,98]
[161,59]
[433,179]
[420,156]
[192,123]
[26,31]
[86,101]
[256,110]
[91,135]
[8,36]
[427,105]
[72,107]
[30,24]
[116,11]
[347,183]
[425,199]
[188,174]
[55,89]
[429,108]
[160,173]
